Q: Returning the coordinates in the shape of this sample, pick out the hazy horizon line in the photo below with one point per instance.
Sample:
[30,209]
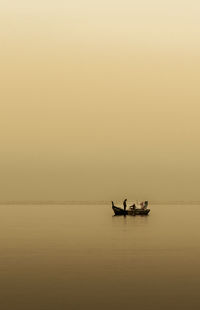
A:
[90,202]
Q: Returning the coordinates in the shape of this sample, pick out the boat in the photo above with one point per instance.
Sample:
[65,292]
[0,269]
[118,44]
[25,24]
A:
[132,210]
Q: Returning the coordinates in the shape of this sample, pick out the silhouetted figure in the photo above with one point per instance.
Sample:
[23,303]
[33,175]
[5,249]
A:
[133,207]
[113,204]
[144,205]
[124,203]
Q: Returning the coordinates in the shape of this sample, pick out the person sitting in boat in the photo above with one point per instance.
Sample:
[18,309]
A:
[133,207]
[124,203]
[144,205]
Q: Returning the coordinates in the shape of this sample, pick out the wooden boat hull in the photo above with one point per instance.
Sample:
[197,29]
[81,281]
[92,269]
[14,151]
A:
[120,211]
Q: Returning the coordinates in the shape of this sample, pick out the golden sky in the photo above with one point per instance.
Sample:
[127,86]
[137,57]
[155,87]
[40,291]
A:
[99,100]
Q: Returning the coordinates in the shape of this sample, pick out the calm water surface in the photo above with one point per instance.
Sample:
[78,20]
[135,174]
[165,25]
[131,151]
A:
[83,257]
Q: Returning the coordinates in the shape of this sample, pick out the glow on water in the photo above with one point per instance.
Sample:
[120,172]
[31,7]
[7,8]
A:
[83,257]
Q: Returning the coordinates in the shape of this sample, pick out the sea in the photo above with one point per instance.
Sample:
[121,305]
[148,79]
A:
[82,257]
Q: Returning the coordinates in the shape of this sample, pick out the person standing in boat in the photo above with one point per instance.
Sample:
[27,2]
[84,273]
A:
[124,203]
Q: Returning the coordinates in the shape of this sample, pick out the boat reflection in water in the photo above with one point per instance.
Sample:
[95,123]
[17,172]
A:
[133,210]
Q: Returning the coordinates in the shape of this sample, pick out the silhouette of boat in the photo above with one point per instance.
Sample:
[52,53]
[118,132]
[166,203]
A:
[131,211]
